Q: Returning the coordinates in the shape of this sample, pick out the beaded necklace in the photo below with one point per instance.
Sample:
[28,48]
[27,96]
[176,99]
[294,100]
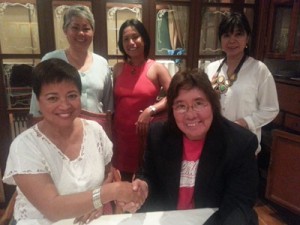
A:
[220,83]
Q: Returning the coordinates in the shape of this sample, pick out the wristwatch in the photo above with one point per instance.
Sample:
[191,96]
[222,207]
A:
[152,109]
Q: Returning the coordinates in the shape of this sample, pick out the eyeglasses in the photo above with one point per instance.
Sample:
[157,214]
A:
[197,106]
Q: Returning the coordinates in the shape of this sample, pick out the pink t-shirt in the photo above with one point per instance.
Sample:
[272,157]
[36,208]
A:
[191,154]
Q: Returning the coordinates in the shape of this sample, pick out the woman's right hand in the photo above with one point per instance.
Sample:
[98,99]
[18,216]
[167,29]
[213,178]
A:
[126,193]
[139,195]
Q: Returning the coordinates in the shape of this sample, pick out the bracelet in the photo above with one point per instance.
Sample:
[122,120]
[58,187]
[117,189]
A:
[96,198]
[152,109]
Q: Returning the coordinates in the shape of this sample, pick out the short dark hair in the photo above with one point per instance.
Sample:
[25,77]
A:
[54,71]
[139,26]
[232,20]
[187,80]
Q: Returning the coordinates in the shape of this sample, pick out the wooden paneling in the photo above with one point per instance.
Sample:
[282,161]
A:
[289,98]
[293,123]
[283,183]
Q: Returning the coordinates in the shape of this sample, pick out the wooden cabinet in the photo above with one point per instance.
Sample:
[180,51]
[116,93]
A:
[289,103]
[292,122]
[283,183]
[284,30]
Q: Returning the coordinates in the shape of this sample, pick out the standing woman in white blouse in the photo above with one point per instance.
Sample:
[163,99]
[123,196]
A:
[246,86]
[94,71]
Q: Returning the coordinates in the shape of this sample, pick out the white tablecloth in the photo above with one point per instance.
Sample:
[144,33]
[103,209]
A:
[179,217]
[170,65]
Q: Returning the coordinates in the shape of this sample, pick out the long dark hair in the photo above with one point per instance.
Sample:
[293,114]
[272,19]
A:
[142,31]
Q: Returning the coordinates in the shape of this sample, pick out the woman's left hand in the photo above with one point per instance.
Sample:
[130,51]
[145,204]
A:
[88,217]
[143,121]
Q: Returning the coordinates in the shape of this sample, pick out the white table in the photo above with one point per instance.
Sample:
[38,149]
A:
[179,217]
[170,65]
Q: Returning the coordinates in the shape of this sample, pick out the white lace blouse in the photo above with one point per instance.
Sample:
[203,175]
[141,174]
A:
[33,153]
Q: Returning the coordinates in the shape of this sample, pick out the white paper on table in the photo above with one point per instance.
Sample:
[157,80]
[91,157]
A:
[178,217]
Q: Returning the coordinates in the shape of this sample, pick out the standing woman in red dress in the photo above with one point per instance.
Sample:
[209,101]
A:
[137,82]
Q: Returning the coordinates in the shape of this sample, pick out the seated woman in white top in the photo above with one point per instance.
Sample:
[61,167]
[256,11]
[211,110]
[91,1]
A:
[61,165]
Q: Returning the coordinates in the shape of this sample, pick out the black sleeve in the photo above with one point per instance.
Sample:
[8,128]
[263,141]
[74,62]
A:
[149,171]
[241,188]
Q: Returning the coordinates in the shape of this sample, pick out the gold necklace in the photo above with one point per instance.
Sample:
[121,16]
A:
[220,83]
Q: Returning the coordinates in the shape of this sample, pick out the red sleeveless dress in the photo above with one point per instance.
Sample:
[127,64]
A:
[133,92]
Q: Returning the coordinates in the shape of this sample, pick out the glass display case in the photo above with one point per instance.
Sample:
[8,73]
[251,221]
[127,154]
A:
[281,29]
[284,30]
[171,35]
[19,34]
[296,45]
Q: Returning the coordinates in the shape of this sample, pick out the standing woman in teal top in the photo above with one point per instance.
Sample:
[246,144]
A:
[94,71]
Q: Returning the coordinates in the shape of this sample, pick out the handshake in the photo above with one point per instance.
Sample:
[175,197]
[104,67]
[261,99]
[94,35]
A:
[128,197]
[131,196]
